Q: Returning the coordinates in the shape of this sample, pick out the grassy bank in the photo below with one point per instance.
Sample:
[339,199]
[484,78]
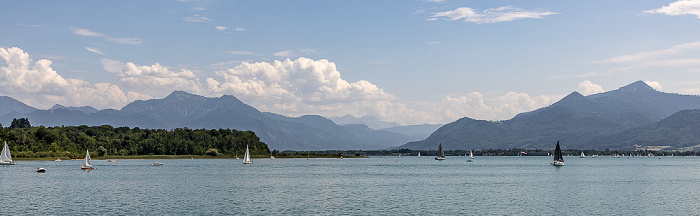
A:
[163,157]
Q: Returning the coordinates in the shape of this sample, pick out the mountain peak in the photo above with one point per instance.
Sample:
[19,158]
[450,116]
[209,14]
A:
[180,95]
[637,86]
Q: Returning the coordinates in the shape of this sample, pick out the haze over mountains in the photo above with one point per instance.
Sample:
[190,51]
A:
[181,109]
[579,122]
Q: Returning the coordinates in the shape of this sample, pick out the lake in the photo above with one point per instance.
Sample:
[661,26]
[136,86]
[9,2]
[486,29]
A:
[369,186]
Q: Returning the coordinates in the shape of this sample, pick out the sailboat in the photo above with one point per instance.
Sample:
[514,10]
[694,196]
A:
[87,162]
[558,158]
[246,157]
[583,155]
[441,154]
[471,156]
[5,156]
[418,154]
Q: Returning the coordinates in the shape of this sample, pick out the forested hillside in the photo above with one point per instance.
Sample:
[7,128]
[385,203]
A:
[105,140]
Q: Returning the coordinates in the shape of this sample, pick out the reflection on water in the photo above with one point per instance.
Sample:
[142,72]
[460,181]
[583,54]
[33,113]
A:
[374,186]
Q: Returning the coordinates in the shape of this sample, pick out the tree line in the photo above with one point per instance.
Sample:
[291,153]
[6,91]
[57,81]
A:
[26,141]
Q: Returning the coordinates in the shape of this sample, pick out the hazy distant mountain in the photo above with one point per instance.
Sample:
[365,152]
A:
[181,109]
[574,120]
[85,109]
[415,132]
[370,121]
[681,129]
[9,105]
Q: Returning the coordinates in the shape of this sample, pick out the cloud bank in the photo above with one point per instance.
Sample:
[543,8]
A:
[290,87]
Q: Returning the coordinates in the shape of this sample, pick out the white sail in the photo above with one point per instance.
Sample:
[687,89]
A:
[418,154]
[246,158]
[87,162]
[5,156]
[471,155]
[583,155]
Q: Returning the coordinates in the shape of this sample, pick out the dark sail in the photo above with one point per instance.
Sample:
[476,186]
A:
[557,154]
[440,152]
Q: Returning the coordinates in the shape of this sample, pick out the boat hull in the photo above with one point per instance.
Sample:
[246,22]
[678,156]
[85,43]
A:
[248,162]
[558,163]
[87,168]
[7,163]
[439,158]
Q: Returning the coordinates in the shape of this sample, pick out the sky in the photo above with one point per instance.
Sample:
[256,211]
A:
[408,61]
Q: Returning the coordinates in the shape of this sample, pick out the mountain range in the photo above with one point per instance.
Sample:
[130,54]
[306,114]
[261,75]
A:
[181,109]
[606,120]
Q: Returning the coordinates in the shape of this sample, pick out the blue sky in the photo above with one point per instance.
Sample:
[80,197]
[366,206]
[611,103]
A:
[410,62]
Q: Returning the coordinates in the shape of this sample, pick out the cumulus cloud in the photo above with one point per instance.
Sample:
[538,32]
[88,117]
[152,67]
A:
[491,15]
[37,84]
[153,79]
[678,8]
[654,84]
[94,50]
[90,33]
[220,28]
[301,86]
[588,88]
[475,105]
[239,29]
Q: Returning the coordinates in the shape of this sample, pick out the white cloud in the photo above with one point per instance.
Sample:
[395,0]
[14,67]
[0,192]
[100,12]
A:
[90,33]
[239,29]
[128,41]
[491,15]
[654,84]
[86,32]
[682,7]
[241,52]
[94,50]
[37,84]
[285,53]
[153,79]
[436,1]
[296,86]
[588,88]
[293,53]
[433,42]
[681,55]
[220,28]
[474,105]
[196,18]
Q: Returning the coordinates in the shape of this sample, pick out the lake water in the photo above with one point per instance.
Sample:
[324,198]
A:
[370,186]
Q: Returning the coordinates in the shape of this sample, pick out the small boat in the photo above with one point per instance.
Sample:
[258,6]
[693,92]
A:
[5,156]
[58,159]
[441,154]
[111,160]
[246,157]
[558,158]
[272,157]
[471,155]
[594,156]
[87,162]
[237,157]
[583,155]
[40,169]
[418,154]
[157,164]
